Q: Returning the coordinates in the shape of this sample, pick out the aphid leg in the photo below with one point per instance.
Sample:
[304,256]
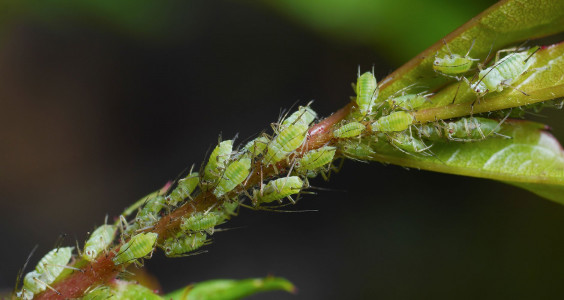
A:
[47,285]
[514,88]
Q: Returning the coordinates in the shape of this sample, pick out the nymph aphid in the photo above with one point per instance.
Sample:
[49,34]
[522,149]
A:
[409,101]
[366,92]
[396,121]
[218,158]
[288,140]
[315,159]
[138,246]
[452,64]
[257,146]
[351,129]
[504,72]
[278,189]
[183,189]
[405,142]
[234,174]
[304,115]
[184,243]
[99,241]
[201,221]
[47,270]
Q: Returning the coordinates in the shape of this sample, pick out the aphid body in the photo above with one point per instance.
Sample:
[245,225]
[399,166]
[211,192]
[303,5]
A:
[315,159]
[366,92]
[200,221]
[278,189]
[178,246]
[357,150]
[53,263]
[406,142]
[504,72]
[396,121]
[473,128]
[218,158]
[183,189]
[138,246]
[257,146]
[408,101]
[350,129]
[453,64]
[234,174]
[99,241]
[288,140]
[304,115]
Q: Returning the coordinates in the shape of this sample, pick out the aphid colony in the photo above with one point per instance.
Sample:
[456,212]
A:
[392,120]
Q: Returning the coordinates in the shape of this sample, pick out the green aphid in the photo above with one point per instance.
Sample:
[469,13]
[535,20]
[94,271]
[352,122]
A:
[33,283]
[218,158]
[183,244]
[471,129]
[352,129]
[100,292]
[53,263]
[504,72]
[366,93]
[235,173]
[138,246]
[408,101]
[304,115]
[278,189]
[357,150]
[257,146]
[183,189]
[229,208]
[99,241]
[453,64]
[286,142]
[315,159]
[407,143]
[396,121]
[228,289]
[125,290]
[201,221]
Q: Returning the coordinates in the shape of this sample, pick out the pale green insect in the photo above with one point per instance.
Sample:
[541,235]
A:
[182,244]
[358,150]
[286,142]
[278,189]
[138,246]
[315,159]
[409,101]
[396,121]
[235,173]
[99,241]
[464,130]
[406,143]
[218,158]
[46,271]
[351,129]
[200,221]
[504,72]
[101,292]
[229,208]
[149,214]
[183,189]
[366,92]
[304,115]
[453,64]
[257,146]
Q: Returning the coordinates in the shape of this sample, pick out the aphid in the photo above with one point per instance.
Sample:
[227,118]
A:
[304,115]
[366,92]
[405,142]
[101,292]
[183,189]
[278,189]
[149,214]
[432,132]
[200,221]
[218,158]
[229,208]
[178,246]
[408,101]
[53,263]
[474,128]
[234,174]
[396,121]
[504,72]
[453,64]
[288,140]
[99,241]
[351,129]
[257,146]
[357,150]
[315,159]
[138,246]
[47,270]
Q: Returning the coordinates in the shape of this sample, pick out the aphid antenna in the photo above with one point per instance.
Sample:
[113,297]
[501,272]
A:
[47,285]
[447,47]
[21,271]
[65,267]
[468,53]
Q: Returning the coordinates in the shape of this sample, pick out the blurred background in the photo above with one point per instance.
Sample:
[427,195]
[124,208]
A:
[103,102]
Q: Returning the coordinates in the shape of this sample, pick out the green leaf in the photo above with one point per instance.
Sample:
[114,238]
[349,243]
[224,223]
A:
[503,24]
[532,158]
[544,81]
[229,289]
